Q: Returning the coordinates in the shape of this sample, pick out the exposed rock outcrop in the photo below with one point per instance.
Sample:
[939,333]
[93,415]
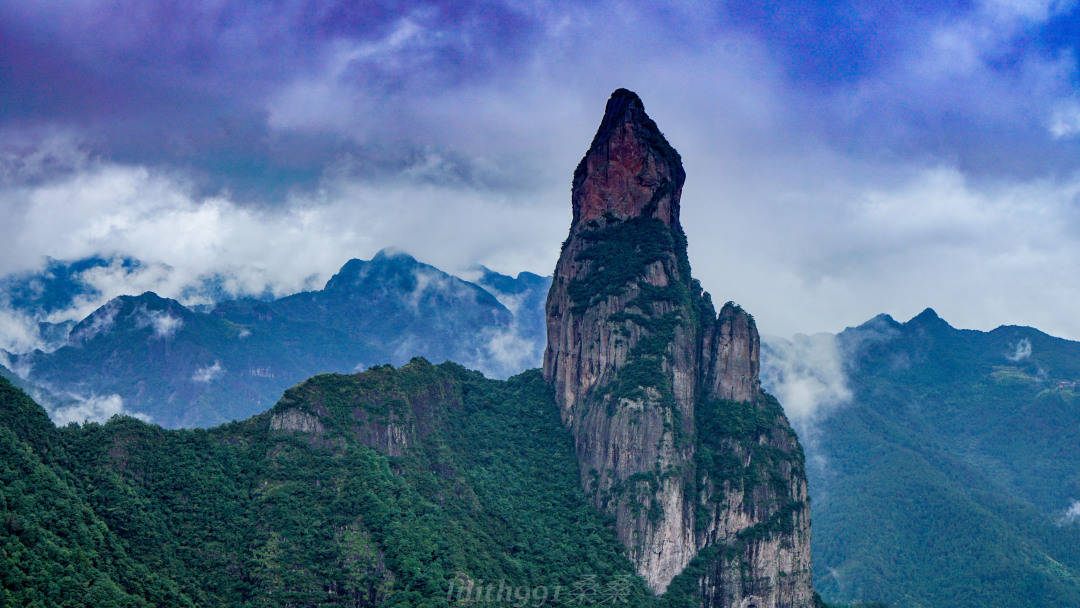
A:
[384,411]
[295,420]
[661,394]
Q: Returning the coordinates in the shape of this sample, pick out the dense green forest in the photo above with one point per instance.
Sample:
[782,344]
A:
[419,486]
[482,487]
[945,480]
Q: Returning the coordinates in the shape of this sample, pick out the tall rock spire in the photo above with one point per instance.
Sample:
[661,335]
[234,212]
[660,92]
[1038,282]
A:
[654,385]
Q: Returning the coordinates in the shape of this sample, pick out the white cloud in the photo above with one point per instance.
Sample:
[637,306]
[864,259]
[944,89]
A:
[514,302]
[164,324]
[895,243]
[1025,11]
[872,239]
[507,352]
[1072,514]
[327,100]
[116,279]
[1021,351]
[209,373]
[1065,119]
[21,371]
[426,278]
[100,322]
[806,373]
[778,207]
[93,409]
[18,333]
[156,218]
[34,153]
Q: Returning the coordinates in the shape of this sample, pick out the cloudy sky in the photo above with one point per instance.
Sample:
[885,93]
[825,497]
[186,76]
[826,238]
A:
[843,158]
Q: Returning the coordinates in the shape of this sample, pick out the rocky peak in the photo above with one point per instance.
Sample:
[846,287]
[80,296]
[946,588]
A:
[132,313]
[881,320]
[630,169]
[640,361]
[733,347]
[388,264]
[928,318]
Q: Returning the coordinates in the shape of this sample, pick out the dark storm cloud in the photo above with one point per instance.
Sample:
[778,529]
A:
[186,84]
[851,157]
[204,86]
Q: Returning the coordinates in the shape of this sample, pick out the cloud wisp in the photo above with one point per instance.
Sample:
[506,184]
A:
[807,374]
[1072,514]
[92,409]
[209,373]
[1021,352]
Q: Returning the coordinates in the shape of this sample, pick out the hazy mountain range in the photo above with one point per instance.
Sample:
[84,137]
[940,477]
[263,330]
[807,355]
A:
[207,364]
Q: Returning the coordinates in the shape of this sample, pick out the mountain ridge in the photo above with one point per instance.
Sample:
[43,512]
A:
[202,368]
[963,444]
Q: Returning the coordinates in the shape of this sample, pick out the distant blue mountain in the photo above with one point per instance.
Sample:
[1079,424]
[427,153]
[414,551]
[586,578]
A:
[185,367]
[47,298]
[525,295]
[57,286]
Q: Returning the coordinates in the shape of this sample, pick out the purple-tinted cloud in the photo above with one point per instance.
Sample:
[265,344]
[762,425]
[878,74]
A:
[268,95]
[855,157]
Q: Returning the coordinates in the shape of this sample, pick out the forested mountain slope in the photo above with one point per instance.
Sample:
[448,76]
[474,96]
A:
[380,489]
[950,476]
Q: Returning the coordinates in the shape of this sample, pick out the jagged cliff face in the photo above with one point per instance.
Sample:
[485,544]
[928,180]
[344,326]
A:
[661,394]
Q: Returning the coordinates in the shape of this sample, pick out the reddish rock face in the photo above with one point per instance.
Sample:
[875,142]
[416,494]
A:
[630,170]
[635,350]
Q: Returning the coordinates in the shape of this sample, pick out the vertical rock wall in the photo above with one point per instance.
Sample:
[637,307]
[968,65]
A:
[673,434]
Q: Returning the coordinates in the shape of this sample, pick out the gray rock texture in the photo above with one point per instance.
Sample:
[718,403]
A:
[700,468]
